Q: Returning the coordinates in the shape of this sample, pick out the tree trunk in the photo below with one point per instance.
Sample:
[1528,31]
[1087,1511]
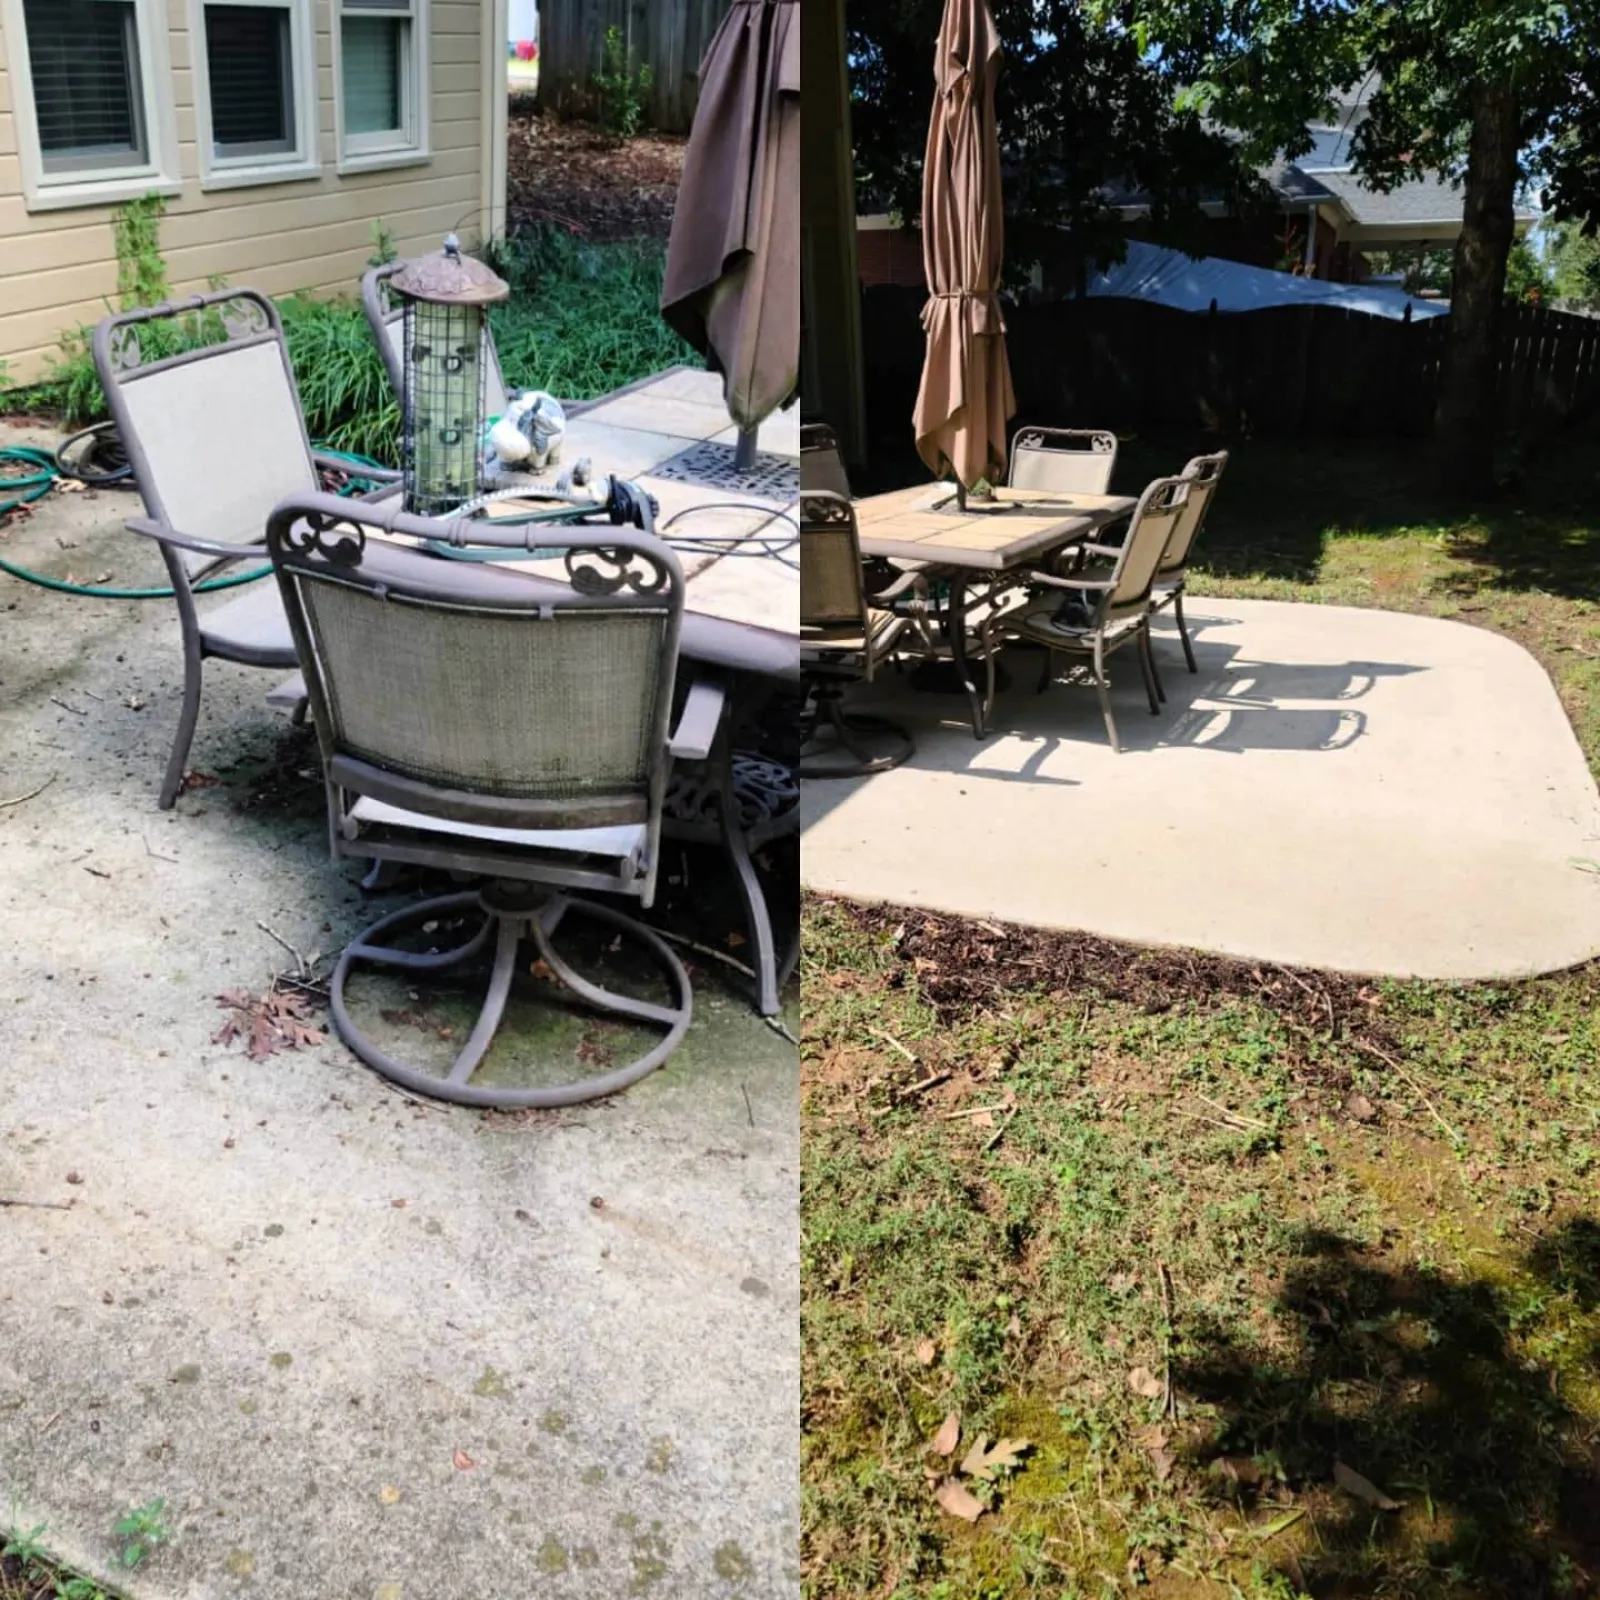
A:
[1464,425]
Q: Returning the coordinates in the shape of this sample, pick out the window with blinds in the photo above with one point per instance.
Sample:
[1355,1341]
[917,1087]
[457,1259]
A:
[379,76]
[88,101]
[250,73]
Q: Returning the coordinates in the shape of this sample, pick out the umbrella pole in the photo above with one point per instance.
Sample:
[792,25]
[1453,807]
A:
[744,453]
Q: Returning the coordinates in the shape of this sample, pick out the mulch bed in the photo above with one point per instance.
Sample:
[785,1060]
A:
[961,967]
[568,174]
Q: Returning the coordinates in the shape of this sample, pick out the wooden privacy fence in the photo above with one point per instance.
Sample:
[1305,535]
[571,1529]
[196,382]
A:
[668,36]
[1286,370]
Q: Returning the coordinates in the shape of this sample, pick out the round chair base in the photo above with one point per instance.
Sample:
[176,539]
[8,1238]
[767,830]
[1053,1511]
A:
[836,744]
[505,926]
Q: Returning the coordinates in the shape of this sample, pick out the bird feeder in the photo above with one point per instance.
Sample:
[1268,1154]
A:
[444,300]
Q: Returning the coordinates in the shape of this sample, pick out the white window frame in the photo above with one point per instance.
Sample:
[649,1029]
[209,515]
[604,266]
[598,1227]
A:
[371,152]
[116,181]
[305,160]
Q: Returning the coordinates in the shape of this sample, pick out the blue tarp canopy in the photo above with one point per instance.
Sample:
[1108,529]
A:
[1170,278]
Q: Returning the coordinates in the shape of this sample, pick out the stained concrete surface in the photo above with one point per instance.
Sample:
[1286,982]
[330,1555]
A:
[284,1298]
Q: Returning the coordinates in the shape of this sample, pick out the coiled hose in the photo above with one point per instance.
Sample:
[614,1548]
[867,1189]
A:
[96,457]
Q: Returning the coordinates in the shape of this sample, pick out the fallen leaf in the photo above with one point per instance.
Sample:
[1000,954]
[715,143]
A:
[948,1436]
[982,1119]
[1155,1440]
[1122,1282]
[464,1462]
[1238,1469]
[958,1501]
[985,1463]
[1144,1382]
[389,1495]
[399,1205]
[1278,1524]
[74,1177]
[927,1352]
[541,969]
[1364,1489]
[1361,1108]
[735,940]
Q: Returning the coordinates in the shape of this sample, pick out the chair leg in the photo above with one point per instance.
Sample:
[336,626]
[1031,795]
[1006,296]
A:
[177,762]
[297,717]
[1103,686]
[1049,670]
[758,920]
[1147,673]
[1155,666]
[1183,630]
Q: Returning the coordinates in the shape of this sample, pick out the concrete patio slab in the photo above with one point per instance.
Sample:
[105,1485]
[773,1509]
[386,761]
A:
[1357,790]
[362,1347]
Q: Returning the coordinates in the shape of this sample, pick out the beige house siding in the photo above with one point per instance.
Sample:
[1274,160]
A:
[58,267]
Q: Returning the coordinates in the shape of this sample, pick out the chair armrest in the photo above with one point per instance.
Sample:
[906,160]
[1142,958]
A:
[1112,550]
[351,470]
[916,582]
[187,541]
[1055,582]
[698,726]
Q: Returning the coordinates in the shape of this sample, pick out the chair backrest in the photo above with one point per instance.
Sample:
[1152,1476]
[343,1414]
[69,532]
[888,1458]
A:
[832,595]
[477,694]
[1068,460]
[1154,518]
[387,321]
[1203,474]
[821,460]
[203,395]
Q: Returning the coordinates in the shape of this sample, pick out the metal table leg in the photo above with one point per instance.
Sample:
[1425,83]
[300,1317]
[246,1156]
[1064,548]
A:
[955,631]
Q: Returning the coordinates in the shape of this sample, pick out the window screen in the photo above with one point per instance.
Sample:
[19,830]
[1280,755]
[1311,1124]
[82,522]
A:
[251,75]
[84,60]
[374,52]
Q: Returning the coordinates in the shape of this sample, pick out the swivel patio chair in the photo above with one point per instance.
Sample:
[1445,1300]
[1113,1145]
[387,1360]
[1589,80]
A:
[1097,608]
[502,727]
[1202,474]
[386,320]
[1067,460]
[216,438]
[844,639]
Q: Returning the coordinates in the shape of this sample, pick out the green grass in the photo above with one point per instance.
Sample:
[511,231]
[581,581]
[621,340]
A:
[583,318]
[27,1573]
[1270,1212]
[1366,1233]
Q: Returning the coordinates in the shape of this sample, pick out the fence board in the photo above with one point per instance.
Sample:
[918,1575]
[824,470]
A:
[668,36]
[1288,370]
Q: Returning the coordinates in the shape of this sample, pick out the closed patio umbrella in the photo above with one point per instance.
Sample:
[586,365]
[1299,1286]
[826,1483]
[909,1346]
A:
[732,286]
[966,396]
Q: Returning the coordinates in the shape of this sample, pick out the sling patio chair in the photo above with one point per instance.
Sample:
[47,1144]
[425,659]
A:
[1066,460]
[1202,474]
[845,636]
[822,461]
[203,396]
[387,321]
[1094,609]
[500,727]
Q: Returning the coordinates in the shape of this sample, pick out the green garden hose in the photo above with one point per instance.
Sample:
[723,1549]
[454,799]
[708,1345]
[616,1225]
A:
[41,469]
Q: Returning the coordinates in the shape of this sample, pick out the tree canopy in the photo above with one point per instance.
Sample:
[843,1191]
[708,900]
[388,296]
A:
[1079,109]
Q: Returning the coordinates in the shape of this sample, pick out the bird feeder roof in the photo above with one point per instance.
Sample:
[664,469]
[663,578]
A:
[449,277]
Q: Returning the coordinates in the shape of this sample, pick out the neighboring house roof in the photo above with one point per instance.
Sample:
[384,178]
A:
[1170,278]
[1429,199]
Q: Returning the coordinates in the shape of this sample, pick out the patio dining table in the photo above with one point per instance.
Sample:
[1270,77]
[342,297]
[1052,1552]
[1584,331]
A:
[989,542]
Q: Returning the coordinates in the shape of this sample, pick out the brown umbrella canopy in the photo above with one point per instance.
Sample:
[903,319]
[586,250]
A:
[966,396]
[732,284]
